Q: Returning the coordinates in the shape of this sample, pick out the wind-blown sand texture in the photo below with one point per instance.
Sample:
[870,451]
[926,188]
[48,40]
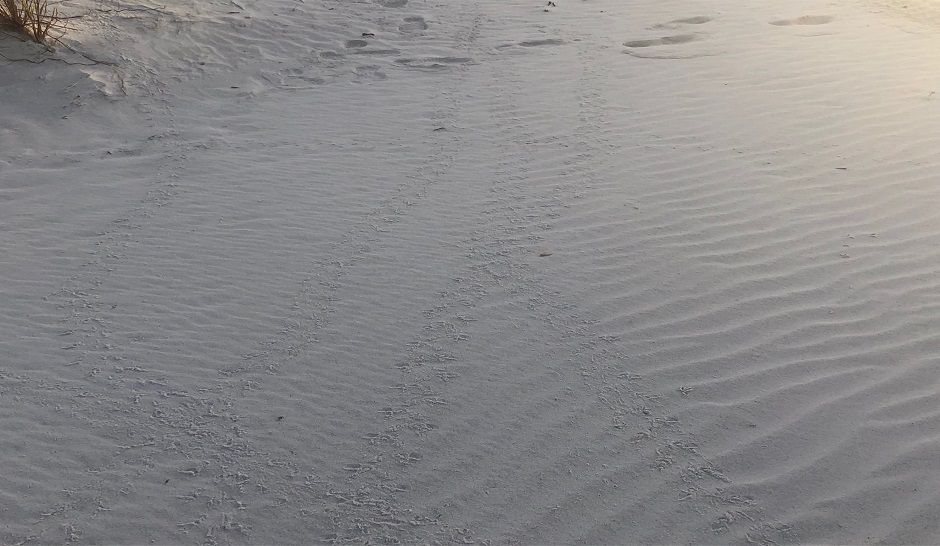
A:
[480,271]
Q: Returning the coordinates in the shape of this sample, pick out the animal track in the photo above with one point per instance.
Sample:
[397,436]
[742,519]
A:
[665,40]
[804,20]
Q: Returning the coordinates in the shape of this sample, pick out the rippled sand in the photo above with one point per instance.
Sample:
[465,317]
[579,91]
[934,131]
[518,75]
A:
[486,271]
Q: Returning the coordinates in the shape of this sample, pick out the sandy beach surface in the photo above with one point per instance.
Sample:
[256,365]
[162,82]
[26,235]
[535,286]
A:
[477,271]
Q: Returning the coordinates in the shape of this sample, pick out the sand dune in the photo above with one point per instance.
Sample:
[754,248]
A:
[475,272]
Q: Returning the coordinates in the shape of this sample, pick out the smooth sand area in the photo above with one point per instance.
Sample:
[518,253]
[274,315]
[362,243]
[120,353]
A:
[476,271]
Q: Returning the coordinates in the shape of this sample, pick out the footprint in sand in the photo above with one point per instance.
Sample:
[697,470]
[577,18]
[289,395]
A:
[376,52]
[665,40]
[413,24]
[433,63]
[659,47]
[545,42]
[804,20]
[675,23]
[674,39]
[369,73]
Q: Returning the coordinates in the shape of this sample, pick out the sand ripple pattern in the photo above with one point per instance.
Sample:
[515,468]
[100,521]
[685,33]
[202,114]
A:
[389,271]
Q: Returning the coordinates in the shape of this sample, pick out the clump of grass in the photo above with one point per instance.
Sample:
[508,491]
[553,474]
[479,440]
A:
[34,18]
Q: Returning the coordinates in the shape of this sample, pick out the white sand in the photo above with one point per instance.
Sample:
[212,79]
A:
[614,271]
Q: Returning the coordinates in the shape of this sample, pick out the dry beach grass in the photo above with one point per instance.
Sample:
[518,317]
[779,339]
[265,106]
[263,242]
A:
[34,18]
